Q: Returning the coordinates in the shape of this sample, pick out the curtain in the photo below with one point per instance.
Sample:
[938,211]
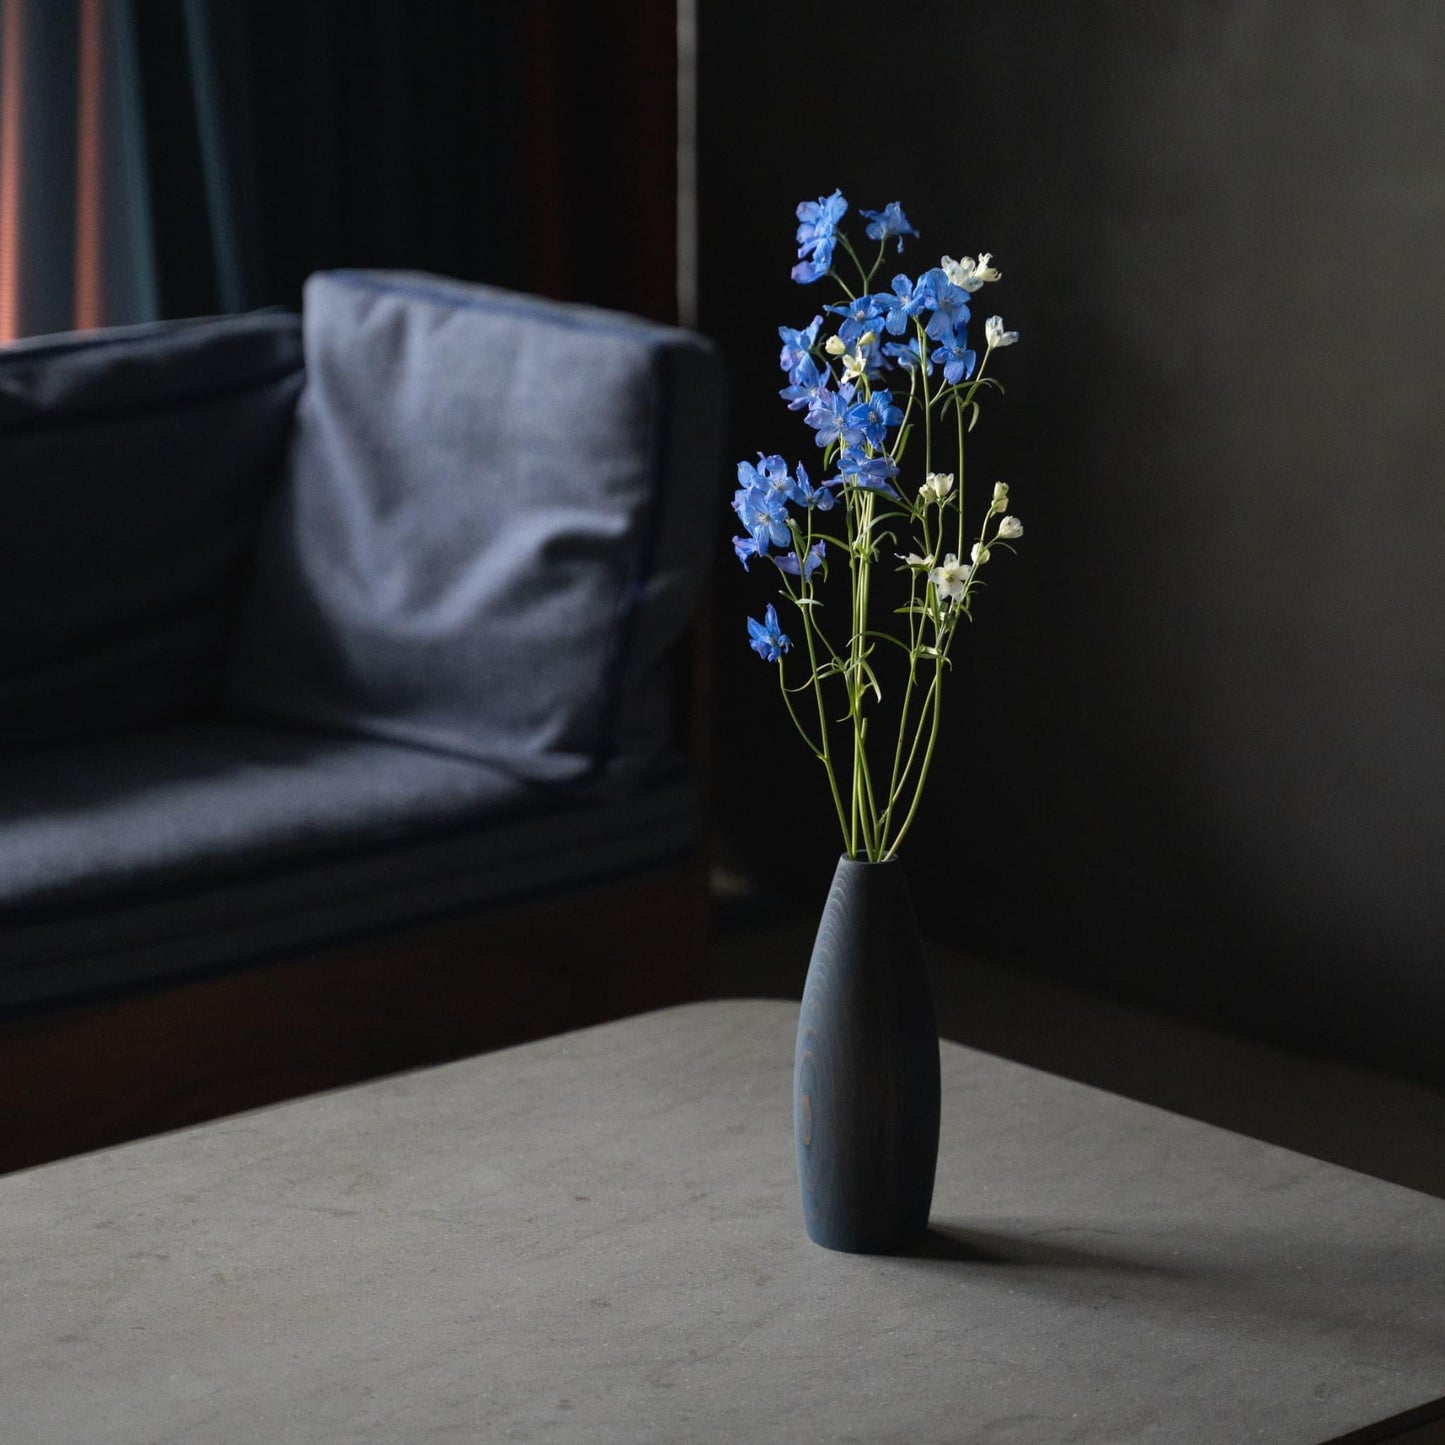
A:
[72,169]
[165,158]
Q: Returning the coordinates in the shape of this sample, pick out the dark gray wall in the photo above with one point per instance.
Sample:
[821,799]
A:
[1197,741]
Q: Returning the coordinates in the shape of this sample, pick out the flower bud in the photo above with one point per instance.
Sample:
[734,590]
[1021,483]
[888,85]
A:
[835,346]
[1000,496]
[1010,528]
[936,486]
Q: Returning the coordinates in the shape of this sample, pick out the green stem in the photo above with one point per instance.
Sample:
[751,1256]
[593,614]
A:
[958,480]
[792,713]
[866,275]
[810,633]
[937,690]
[863,815]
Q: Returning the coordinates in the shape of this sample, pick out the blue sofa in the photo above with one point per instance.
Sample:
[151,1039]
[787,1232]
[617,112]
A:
[318,630]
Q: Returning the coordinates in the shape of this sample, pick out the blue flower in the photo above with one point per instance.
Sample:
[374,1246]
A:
[956,359]
[805,494]
[817,553]
[890,221]
[746,549]
[769,641]
[797,345]
[860,316]
[771,474]
[831,416]
[818,222]
[949,304]
[908,356]
[874,416]
[903,305]
[765,515]
[809,382]
[872,473]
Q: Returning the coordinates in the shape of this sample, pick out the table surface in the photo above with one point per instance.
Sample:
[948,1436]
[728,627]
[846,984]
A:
[596,1238]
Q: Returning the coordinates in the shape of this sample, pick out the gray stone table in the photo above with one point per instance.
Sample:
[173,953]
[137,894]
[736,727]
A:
[596,1239]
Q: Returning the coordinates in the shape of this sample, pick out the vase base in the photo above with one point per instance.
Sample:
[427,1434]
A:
[894,1241]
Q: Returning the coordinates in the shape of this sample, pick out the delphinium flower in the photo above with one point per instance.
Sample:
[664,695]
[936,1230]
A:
[855,365]
[770,475]
[865,313]
[805,494]
[890,221]
[876,374]
[906,302]
[995,335]
[909,356]
[746,549]
[832,419]
[956,360]
[769,640]
[806,385]
[798,345]
[817,235]
[764,514]
[968,273]
[873,474]
[951,579]
[817,554]
[875,416]
[947,302]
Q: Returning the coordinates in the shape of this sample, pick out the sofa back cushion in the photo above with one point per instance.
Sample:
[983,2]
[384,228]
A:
[135,464]
[492,527]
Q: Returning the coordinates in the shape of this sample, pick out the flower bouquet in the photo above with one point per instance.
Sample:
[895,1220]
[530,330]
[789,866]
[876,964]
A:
[890,386]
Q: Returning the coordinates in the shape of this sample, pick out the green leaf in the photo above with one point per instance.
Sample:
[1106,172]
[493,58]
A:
[888,637]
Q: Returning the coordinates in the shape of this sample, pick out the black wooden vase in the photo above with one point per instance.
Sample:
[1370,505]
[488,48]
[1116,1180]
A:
[865,1072]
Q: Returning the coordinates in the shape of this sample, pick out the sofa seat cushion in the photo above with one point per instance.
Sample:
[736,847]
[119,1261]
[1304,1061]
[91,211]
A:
[135,465]
[498,513]
[145,858]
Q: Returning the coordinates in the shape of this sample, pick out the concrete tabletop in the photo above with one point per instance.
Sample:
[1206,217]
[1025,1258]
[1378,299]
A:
[596,1239]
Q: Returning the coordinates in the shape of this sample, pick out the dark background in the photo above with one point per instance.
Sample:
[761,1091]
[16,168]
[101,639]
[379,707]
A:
[1195,737]
[1193,744]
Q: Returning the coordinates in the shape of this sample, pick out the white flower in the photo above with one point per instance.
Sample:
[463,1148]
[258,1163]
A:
[835,346]
[951,580]
[968,273]
[914,560]
[979,554]
[855,366]
[936,486]
[1000,497]
[1010,528]
[995,335]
